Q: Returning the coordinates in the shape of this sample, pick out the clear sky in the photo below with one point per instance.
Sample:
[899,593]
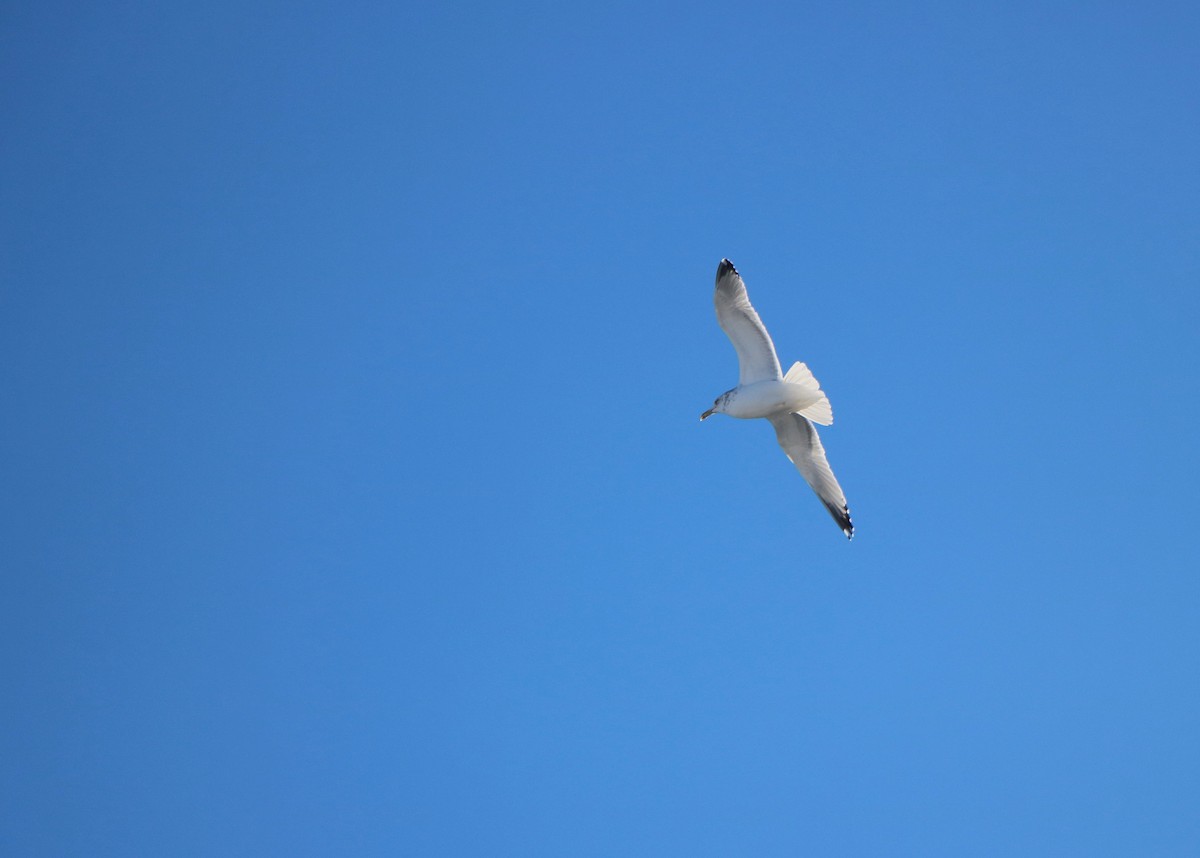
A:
[355,500]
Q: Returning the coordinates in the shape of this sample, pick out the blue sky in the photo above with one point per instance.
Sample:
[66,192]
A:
[355,497]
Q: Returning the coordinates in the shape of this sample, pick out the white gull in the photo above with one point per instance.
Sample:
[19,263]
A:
[792,402]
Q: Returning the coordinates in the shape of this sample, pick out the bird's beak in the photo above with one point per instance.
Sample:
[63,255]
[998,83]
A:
[706,414]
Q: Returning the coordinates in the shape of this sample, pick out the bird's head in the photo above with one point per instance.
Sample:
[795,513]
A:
[718,405]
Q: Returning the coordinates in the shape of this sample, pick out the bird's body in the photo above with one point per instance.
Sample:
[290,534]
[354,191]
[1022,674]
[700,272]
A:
[764,398]
[792,402]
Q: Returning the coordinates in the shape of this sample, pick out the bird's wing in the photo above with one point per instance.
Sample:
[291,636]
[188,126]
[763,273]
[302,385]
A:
[755,351]
[798,438]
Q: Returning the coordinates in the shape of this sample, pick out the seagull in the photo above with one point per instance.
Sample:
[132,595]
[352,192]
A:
[792,402]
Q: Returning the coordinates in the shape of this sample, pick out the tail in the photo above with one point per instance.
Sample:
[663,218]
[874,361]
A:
[820,411]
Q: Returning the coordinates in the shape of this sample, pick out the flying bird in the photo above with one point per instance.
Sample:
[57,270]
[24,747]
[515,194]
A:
[792,402]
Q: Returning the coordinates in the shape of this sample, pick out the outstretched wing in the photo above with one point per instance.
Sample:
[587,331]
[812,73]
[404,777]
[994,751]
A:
[798,438]
[755,351]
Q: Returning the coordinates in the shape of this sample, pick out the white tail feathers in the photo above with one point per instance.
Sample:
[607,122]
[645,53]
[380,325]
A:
[800,374]
[820,411]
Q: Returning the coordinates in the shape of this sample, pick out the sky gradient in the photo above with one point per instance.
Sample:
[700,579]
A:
[355,497]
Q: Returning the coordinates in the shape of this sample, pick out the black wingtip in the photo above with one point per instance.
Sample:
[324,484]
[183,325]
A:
[724,268]
[842,516]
